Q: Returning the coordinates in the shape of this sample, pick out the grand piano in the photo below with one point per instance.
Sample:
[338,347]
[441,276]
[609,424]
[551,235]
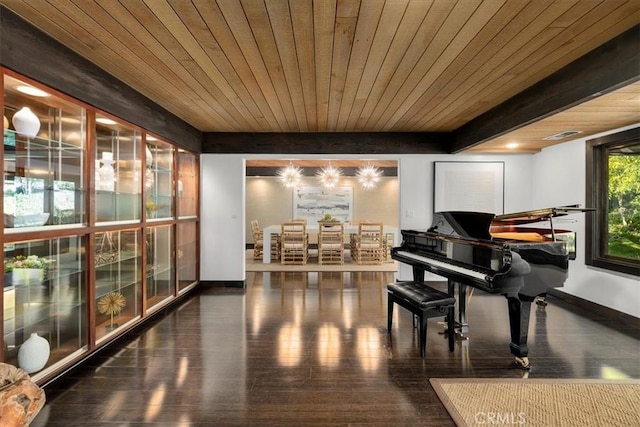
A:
[505,254]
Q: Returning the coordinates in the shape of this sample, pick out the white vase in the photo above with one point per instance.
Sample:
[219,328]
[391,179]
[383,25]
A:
[33,353]
[97,184]
[107,175]
[26,123]
[148,156]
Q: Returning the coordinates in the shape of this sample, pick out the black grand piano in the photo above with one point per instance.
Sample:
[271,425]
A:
[502,254]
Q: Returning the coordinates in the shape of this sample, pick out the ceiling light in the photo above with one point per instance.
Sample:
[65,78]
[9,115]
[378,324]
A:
[512,145]
[30,90]
[329,176]
[368,176]
[562,135]
[290,176]
[105,121]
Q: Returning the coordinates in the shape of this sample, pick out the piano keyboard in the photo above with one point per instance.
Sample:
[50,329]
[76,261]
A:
[451,267]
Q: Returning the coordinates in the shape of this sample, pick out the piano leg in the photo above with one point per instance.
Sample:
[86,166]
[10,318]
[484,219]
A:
[519,313]
[389,314]
[418,274]
[462,324]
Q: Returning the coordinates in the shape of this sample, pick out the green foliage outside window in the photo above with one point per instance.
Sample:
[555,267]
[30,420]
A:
[624,204]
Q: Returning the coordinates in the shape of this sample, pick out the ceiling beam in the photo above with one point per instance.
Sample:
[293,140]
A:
[32,53]
[603,70]
[386,172]
[326,143]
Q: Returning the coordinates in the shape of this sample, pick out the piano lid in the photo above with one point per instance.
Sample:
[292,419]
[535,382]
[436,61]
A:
[538,215]
[461,223]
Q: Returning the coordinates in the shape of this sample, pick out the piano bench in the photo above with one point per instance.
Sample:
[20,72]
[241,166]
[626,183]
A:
[424,302]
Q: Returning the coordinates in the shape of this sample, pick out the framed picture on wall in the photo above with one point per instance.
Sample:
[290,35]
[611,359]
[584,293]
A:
[468,186]
[313,203]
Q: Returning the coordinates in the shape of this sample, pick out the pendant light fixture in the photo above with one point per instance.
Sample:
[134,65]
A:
[368,176]
[329,176]
[290,176]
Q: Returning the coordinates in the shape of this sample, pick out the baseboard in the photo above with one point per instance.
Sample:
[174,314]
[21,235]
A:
[224,283]
[592,307]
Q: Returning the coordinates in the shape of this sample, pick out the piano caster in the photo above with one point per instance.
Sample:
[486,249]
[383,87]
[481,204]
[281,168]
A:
[522,363]
[461,337]
[541,301]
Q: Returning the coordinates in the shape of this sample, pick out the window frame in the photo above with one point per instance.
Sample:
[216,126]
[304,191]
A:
[596,196]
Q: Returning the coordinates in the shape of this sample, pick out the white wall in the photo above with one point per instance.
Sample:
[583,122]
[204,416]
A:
[269,202]
[223,195]
[416,189]
[556,176]
[222,231]
[559,173]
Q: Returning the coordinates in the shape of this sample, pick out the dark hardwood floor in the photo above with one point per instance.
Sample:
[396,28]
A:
[312,349]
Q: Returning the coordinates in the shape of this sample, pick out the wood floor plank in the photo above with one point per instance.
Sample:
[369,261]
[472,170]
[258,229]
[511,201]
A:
[287,351]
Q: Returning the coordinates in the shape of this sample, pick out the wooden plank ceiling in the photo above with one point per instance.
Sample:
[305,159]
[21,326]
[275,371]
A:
[341,65]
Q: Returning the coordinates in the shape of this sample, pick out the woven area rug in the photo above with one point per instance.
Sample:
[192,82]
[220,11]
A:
[540,402]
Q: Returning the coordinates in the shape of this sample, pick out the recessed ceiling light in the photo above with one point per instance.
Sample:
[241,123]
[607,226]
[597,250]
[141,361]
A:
[30,90]
[105,121]
[512,145]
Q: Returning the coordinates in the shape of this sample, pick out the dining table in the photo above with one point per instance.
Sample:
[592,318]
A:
[314,228]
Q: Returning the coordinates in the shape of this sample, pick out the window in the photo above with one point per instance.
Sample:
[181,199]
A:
[613,188]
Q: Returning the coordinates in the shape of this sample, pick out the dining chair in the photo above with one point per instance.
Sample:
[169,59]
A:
[303,221]
[294,243]
[330,242]
[389,241]
[258,242]
[257,239]
[367,246]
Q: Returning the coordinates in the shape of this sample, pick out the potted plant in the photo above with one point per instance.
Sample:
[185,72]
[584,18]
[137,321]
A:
[24,270]
[329,218]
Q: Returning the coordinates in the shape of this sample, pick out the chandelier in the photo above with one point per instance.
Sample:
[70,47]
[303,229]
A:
[329,176]
[290,176]
[368,176]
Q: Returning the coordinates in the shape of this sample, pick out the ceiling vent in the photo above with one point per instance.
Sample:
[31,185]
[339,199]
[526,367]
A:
[562,135]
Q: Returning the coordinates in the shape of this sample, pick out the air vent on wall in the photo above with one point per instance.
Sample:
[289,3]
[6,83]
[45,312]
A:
[562,135]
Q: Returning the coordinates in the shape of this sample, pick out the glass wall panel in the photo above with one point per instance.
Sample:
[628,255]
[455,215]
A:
[118,171]
[44,294]
[44,143]
[159,179]
[57,285]
[160,266]
[187,254]
[118,279]
[187,184]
